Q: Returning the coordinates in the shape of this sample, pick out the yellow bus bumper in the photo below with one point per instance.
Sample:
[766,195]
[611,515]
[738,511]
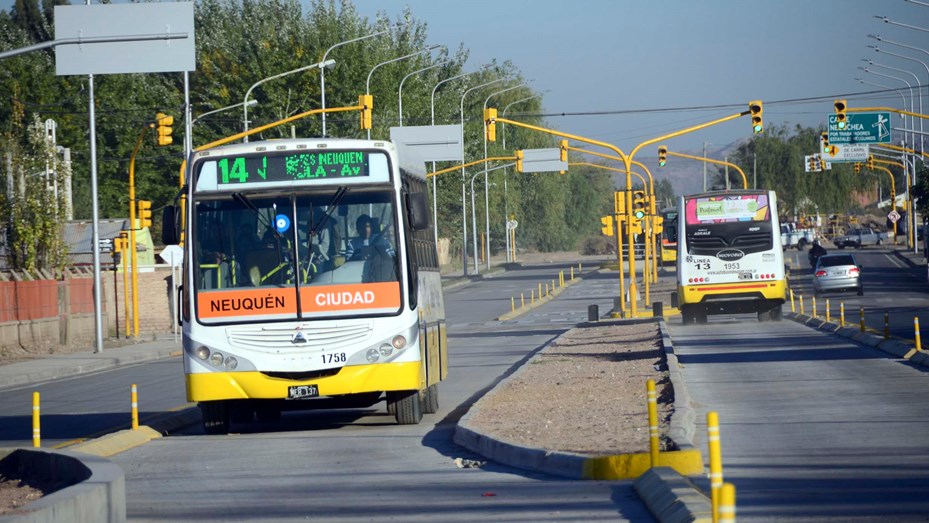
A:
[770,290]
[350,380]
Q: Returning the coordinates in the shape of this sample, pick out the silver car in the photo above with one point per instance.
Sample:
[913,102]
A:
[837,272]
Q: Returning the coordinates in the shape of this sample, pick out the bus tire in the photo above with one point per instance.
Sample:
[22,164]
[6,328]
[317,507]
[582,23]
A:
[408,407]
[431,399]
[268,413]
[687,317]
[215,416]
[776,313]
[700,317]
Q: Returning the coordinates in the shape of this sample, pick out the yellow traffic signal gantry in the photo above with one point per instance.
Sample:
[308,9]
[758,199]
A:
[366,101]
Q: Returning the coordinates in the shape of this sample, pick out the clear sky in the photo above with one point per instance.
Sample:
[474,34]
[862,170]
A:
[623,55]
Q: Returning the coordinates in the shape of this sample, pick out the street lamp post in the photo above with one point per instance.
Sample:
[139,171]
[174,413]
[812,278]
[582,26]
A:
[878,50]
[404,57]
[322,65]
[435,213]
[506,202]
[322,72]
[400,90]
[891,22]
[486,191]
[251,103]
[503,113]
[464,212]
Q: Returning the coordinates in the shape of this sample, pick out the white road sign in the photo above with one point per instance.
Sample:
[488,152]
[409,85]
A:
[893,216]
[844,152]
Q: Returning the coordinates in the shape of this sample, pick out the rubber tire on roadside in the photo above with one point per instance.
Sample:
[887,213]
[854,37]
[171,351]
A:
[430,398]
[215,416]
[408,406]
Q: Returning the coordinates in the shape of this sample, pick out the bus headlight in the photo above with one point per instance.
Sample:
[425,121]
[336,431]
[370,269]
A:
[372,355]
[216,358]
[399,341]
[385,349]
[231,363]
[203,352]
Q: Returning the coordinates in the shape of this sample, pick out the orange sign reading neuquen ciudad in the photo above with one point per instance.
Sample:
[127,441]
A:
[274,301]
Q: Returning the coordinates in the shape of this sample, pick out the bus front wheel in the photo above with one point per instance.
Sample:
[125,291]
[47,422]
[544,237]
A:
[407,406]
[431,399]
[215,416]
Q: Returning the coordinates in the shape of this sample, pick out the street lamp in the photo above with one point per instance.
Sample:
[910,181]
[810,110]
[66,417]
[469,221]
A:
[464,211]
[435,213]
[503,113]
[322,65]
[878,50]
[322,72]
[918,85]
[400,90]
[486,195]
[251,103]
[404,57]
[891,22]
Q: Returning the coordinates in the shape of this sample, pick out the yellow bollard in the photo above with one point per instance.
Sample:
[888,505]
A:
[919,345]
[801,305]
[546,290]
[532,297]
[813,299]
[886,325]
[827,310]
[716,460]
[842,314]
[36,428]
[553,285]
[861,313]
[135,407]
[572,273]
[652,422]
[580,267]
[727,503]
[522,299]
[512,304]
[792,307]
[540,291]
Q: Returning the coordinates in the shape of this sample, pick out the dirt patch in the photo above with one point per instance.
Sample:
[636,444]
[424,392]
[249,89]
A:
[16,493]
[584,393]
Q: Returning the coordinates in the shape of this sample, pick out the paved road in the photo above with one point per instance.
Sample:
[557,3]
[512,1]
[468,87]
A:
[360,466]
[813,428]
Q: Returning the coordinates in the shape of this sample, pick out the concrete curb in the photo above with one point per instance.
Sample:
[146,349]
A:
[672,498]
[893,347]
[98,492]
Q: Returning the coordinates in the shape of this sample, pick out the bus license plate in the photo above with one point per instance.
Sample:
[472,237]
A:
[299,392]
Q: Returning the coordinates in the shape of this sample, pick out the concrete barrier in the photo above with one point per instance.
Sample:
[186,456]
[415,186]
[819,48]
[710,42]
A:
[96,488]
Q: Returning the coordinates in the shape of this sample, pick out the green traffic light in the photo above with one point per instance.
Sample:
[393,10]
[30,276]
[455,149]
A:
[841,125]
[662,163]
[639,215]
[757,129]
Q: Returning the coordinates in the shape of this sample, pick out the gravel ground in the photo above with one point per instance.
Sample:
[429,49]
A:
[584,393]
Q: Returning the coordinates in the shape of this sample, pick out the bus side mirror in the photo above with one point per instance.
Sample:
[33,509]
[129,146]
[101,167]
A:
[169,229]
[418,208]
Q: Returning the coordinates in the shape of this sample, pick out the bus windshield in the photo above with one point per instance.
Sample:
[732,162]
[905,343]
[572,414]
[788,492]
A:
[325,252]
[728,221]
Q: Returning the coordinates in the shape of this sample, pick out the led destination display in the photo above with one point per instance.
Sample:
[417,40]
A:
[292,166]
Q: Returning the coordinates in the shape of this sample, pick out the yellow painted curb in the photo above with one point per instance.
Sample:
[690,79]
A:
[117,442]
[631,466]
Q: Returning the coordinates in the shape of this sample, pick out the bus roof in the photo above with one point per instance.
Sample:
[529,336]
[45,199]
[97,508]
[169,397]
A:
[293,144]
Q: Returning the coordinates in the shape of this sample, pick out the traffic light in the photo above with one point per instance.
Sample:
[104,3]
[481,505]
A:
[607,228]
[870,164]
[564,150]
[657,225]
[519,161]
[638,205]
[754,107]
[812,165]
[366,101]
[145,213]
[490,124]
[662,155]
[164,130]
[840,118]
[858,168]
[117,245]
[619,202]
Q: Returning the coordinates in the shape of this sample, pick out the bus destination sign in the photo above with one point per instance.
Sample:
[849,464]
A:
[310,165]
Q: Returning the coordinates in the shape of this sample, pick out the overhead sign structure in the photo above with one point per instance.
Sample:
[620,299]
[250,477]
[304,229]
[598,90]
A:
[543,160]
[125,21]
[860,128]
[844,152]
[431,143]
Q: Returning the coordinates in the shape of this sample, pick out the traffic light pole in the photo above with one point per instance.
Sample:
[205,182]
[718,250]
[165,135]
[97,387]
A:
[132,245]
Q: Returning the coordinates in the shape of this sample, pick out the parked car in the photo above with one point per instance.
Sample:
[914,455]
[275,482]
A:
[859,238]
[837,272]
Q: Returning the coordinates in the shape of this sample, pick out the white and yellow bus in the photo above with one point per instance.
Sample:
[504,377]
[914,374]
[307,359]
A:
[286,304]
[729,257]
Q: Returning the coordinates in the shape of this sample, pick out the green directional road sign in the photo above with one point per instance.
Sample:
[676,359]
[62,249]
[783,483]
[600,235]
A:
[861,128]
